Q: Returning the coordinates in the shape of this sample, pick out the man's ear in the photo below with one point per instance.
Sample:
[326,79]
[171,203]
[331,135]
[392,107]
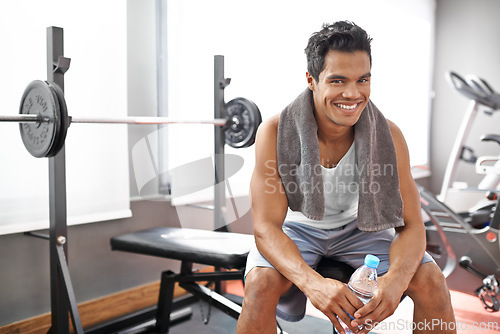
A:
[310,81]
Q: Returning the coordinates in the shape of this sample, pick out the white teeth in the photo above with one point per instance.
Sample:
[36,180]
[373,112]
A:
[343,106]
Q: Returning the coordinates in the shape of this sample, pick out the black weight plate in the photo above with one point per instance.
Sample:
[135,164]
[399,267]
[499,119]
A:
[243,120]
[39,138]
[65,120]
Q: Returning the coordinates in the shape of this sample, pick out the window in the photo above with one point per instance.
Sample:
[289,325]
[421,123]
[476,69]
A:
[263,43]
[96,85]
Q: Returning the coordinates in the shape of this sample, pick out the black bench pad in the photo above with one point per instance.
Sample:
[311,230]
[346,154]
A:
[221,249]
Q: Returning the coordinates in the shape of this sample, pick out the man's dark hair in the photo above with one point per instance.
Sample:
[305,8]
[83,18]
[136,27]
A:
[342,36]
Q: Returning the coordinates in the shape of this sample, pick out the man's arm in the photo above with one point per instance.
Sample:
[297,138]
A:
[269,208]
[407,248]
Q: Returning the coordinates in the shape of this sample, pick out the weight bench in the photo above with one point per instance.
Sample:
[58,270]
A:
[226,251]
[223,250]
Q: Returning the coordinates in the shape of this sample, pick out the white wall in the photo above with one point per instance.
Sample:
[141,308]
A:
[263,43]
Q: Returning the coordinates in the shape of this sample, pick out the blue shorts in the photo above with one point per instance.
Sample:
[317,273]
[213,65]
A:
[347,244]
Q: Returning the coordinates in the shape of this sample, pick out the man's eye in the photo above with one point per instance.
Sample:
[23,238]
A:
[363,80]
[337,81]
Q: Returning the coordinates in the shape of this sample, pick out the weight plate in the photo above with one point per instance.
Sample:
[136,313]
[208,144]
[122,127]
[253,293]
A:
[243,120]
[65,120]
[39,138]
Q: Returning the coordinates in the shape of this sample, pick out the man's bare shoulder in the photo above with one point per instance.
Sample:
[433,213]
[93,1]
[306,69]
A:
[397,134]
[269,128]
[402,153]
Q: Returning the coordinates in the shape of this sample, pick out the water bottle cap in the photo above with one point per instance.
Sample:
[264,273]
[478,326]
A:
[372,261]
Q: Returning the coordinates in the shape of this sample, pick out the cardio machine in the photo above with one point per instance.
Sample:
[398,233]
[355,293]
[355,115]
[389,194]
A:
[466,244]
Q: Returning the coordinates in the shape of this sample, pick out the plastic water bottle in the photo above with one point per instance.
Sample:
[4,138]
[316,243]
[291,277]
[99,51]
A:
[363,283]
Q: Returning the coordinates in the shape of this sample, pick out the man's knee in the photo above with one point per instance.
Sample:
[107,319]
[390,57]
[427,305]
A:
[428,281]
[265,284]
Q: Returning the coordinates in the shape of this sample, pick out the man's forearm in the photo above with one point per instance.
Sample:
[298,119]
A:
[405,254]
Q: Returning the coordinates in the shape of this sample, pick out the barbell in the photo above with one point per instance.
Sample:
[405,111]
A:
[44,120]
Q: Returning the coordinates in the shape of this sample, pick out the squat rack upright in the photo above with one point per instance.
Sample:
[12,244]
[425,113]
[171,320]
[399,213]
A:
[61,289]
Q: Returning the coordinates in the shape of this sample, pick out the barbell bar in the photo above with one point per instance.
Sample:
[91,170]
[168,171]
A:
[44,120]
[148,120]
[30,118]
[23,118]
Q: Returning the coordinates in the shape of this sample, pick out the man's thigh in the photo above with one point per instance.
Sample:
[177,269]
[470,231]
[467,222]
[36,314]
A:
[292,304]
[351,246]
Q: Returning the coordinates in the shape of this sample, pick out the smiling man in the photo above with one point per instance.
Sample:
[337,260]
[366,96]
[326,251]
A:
[318,190]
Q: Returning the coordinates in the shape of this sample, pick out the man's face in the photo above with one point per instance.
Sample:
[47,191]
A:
[343,87]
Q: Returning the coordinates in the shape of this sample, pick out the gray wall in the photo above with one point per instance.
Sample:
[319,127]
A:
[467,42]
[95,270]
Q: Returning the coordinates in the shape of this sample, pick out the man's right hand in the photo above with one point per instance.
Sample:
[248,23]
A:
[333,298]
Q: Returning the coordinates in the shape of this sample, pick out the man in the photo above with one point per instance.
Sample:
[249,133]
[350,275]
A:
[331,130]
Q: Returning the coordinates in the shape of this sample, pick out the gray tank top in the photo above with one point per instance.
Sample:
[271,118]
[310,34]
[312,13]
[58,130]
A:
[341,191]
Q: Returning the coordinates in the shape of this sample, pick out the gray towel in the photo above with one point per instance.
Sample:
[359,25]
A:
[380,205]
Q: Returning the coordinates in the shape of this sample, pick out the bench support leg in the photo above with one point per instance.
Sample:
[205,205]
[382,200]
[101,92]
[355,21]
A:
[165,300]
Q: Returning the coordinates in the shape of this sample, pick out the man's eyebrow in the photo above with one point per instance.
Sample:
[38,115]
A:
[335,77]
[338,76]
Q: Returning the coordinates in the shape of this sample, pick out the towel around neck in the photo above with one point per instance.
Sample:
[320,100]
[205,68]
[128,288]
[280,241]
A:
[380,205]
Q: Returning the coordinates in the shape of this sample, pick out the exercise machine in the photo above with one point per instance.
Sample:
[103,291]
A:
[458,195]
[466,244]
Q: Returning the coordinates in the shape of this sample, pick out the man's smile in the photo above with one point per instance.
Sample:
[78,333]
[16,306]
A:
[347,106]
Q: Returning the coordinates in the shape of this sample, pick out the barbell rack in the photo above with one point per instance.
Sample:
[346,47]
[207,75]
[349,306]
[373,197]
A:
[63,301]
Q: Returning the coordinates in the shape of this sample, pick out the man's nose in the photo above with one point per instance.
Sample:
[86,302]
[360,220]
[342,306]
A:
[351,91]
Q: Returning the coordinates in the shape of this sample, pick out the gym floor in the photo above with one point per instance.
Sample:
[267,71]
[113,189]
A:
[471,318]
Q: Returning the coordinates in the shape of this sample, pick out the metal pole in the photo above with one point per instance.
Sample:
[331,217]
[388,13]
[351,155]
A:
[219,139]
[25,118]
[452,167]
[145,120]
[62,294]
[57,197]
[31,118]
